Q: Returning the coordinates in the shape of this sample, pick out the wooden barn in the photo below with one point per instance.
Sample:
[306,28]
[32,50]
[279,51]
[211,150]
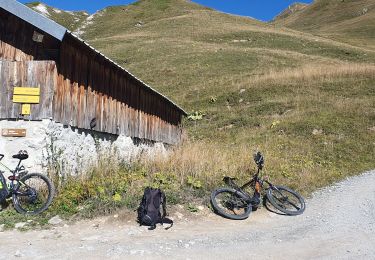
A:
[72,83]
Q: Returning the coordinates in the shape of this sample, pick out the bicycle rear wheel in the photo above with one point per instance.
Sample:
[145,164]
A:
[286,200]
[231,204]
[33,194]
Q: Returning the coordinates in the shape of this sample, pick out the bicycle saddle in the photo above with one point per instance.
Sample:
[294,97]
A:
[229,178]
[22,155]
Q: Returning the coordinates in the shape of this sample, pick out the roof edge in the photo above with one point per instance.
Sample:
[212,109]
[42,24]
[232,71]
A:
[27,14]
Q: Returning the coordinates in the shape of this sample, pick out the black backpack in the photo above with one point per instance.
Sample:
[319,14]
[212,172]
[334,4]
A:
[149,208]
[3,188]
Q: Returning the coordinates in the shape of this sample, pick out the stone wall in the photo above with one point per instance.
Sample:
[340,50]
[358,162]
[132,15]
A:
[71,150]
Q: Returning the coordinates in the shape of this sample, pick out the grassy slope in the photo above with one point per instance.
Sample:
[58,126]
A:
[351,21]
[306,101]
[291,10]
[70,20]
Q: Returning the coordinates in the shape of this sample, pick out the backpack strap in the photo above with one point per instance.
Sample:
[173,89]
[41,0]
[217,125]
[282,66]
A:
[163,217]
[164,204]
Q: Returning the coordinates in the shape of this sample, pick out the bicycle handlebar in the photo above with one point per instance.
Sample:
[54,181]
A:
[259,159]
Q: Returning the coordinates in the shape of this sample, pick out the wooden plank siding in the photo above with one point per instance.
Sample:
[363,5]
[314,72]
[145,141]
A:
[92,88]
[16,42]
[79,86]
[42,74]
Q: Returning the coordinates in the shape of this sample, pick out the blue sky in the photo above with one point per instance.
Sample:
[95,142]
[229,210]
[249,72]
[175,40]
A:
[263,10]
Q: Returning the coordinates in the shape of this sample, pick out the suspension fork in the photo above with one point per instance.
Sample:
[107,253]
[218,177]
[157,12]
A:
[258,185]
[257,189]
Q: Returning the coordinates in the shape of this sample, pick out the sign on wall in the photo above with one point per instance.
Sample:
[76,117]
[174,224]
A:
[26,96]
[13,132]
[26,99]
[26,91]
[26,108]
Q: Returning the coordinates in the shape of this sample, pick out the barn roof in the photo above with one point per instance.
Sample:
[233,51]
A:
[58,31]
[43,23]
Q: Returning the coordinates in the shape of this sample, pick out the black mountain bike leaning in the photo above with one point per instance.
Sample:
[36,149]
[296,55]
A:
[234,202]
[32,193]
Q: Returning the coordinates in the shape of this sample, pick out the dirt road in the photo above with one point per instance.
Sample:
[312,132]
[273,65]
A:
[339,223]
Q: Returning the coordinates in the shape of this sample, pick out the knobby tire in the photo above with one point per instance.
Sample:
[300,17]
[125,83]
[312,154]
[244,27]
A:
[286,200]
[33,194]
[234,204]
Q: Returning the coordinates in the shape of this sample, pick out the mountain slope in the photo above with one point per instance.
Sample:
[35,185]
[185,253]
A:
[68,19]
[304,99]
[291,10]
[181,38]
[351,21]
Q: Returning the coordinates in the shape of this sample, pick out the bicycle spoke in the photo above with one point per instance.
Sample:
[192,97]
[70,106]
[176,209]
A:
[281,204]
[230,204]
[33,195]
[286,200]
[294,205]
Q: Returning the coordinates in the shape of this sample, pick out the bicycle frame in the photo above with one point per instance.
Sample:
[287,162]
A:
[255,182]
[14,180]
[18,168]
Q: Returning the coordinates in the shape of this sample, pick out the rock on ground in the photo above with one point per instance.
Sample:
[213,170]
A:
[56,220]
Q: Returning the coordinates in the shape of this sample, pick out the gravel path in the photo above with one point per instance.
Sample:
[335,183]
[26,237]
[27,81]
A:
[339,223]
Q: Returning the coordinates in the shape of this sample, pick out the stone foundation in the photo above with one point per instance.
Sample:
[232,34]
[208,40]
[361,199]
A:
[72,150]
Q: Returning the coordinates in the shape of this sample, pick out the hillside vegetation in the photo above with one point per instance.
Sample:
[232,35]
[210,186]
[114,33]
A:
[306,101]
[291,10]
[351,21]
[68,19]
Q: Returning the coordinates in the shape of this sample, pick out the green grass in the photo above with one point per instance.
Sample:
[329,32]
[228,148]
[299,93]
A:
[342,20]
[10,217]
[70,20]
[186,61]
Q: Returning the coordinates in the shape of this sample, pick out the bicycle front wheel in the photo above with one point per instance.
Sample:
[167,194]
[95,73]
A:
[230,203]
[33,194]
[286,200]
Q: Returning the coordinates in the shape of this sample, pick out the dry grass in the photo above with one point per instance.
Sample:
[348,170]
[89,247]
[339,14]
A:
[288,162]
[203,161]
[316,73]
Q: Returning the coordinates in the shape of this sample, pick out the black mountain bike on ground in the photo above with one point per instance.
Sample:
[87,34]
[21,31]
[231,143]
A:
[234,202]
[31,193]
